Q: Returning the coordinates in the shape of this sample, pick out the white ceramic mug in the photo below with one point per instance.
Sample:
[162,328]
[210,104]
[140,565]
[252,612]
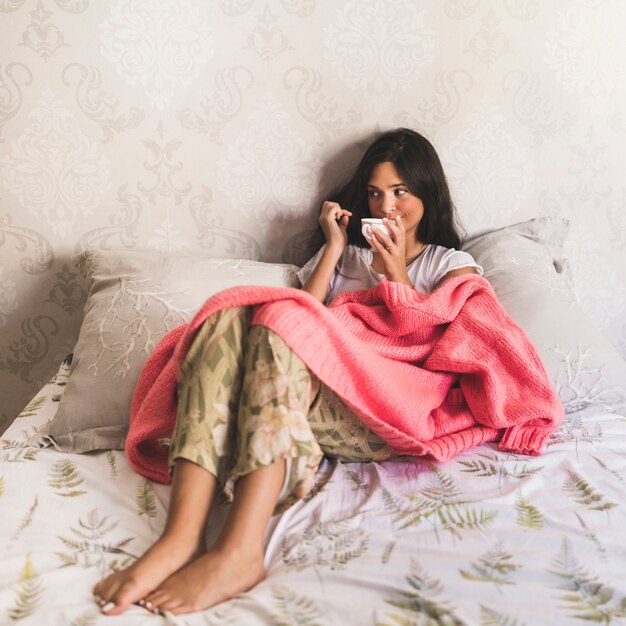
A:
[368,223]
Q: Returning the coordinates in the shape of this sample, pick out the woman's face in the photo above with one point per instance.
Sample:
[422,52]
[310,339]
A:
[389,197]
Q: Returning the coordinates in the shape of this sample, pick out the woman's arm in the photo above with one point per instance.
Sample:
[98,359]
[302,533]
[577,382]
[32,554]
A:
[334,222]
[319,280]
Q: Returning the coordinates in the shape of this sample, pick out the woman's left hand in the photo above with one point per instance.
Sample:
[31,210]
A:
[392,250]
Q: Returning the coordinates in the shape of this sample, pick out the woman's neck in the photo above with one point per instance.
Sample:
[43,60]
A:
[410,254]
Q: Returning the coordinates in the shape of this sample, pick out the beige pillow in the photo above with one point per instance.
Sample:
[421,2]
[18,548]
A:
[526,267]
[134,299]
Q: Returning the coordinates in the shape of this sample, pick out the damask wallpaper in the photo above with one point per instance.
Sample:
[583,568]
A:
[220,126]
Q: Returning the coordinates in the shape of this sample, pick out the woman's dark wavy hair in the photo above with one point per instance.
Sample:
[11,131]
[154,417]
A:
[421,171]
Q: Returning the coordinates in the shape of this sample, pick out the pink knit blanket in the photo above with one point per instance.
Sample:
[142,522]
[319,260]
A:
[431,374]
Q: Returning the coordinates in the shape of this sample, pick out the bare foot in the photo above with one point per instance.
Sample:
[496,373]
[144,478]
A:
[118,591]
[216,576]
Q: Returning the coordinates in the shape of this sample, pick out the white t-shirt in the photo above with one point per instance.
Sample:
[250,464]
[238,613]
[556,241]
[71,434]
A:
[354,271]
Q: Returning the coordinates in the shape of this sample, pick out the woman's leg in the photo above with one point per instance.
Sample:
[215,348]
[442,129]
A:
[273,436]
[283,407]
[342,435]
[192,492]
[200,452]
[234,563]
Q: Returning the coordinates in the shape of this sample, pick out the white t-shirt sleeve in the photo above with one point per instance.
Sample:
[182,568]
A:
[450,259]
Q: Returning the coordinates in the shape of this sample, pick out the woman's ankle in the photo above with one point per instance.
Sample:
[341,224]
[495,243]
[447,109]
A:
[245,548]
[180,542]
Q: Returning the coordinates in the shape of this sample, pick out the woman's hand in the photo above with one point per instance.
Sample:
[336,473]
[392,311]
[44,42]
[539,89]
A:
[392,250]
[334,222]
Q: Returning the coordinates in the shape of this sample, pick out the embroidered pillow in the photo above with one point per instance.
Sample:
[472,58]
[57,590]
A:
[134,299]
[526,266]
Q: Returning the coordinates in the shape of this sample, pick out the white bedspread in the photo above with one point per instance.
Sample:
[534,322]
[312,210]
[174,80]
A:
[487,538]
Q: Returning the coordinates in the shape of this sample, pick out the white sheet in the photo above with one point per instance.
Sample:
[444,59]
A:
[486,538]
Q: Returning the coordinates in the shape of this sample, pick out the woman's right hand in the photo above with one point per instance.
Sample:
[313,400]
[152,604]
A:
[334,222]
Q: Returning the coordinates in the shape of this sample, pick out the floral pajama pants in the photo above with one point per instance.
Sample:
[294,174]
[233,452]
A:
[246,400]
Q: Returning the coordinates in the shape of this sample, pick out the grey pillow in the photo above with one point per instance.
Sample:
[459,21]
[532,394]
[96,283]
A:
[525,265]
[134,299]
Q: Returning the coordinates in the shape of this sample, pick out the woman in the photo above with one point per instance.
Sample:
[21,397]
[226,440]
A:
[253,422]
[400,179]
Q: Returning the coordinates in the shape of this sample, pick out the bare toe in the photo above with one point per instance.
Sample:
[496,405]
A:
[115,593]
[126,595]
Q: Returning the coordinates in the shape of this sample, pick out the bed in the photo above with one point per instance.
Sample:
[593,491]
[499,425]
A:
[487,538]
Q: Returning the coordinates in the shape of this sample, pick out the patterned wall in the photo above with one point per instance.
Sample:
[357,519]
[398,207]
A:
[220,126]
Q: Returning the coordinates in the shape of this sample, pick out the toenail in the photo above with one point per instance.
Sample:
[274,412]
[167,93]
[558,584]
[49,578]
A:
[108,606]
[149,605]
[141,602]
